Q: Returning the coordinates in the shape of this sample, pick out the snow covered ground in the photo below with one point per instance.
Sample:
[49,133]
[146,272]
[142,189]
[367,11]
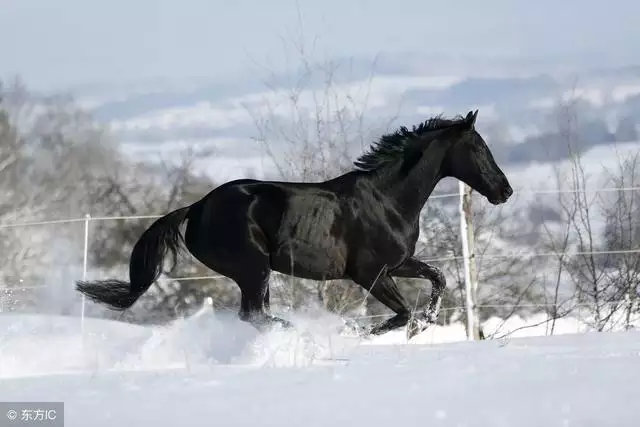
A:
[209,371]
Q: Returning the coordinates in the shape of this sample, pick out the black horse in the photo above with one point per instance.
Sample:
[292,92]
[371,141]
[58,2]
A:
[362,225]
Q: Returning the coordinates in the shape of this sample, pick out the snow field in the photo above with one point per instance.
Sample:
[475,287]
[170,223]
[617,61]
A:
[148,376]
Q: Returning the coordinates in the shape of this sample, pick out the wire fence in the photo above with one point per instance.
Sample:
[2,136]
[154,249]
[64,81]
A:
[432,197]
[87,220]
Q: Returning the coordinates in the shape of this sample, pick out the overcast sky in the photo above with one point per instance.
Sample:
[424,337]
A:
[57,43]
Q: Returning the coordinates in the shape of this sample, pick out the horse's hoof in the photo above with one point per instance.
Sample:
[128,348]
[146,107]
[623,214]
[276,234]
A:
[352,328]
[417,324]
[283,323]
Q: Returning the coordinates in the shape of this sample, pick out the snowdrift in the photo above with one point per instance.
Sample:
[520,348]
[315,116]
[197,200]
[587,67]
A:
[206,371]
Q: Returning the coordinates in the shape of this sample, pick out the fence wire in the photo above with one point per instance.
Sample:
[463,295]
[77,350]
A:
[87,219]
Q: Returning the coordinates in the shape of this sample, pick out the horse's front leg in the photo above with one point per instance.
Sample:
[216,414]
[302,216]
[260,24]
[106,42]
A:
[414,269]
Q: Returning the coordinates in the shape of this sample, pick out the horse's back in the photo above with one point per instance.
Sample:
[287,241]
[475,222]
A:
[281,210]
[245,201]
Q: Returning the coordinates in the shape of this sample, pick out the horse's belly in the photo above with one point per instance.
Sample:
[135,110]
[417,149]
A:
[309,241]
[310,261]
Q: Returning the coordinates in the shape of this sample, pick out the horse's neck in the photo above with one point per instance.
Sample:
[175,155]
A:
[411,191]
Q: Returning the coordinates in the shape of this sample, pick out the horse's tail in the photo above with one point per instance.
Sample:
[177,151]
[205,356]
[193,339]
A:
[145,266]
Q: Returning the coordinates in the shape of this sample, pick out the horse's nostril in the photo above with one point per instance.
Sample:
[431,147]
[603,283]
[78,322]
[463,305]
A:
[509,191]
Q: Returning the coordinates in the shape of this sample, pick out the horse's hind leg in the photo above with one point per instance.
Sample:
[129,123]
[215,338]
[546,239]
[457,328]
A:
[238,252]
[254,305]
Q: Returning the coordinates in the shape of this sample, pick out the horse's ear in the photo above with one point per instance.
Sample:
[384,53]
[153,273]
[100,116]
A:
[471,118]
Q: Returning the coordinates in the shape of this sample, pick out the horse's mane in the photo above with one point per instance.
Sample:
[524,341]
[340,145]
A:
[392,146]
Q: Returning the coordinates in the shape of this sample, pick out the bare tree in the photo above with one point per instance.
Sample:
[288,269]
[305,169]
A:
[50,153]
[311,130]
[58,163]
[591,279]
[622,236]
[14,200]
[556,241]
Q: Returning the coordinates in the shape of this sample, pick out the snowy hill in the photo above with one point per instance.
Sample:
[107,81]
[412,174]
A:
[580,380]
[222,115]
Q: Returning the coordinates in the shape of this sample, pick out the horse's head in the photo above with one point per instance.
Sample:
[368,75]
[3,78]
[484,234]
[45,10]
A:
[470,160]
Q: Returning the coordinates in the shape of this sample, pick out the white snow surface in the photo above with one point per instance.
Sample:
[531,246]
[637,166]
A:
[212,371]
